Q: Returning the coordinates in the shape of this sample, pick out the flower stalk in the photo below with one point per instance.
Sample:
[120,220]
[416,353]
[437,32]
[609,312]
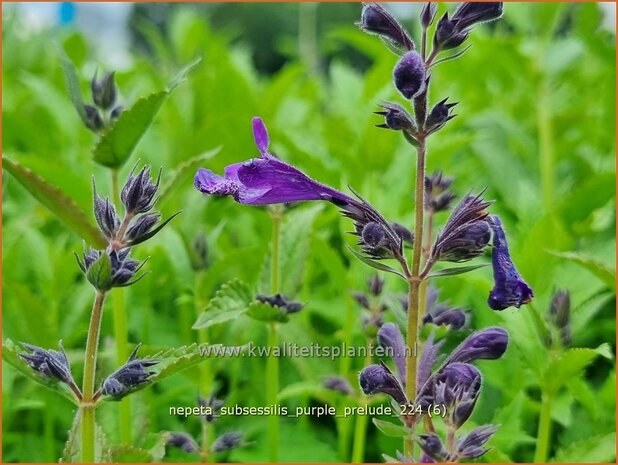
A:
[87,405]
[272,362]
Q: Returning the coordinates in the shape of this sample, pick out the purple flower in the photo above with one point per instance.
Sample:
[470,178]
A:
[103,90]
[470,13]
[49,363]
[390,337]
[182,441]
[128,377]
[280,301]
[471,446]
[427,361]
[338,384]
[410,75]
[440,115]
[439,313]
[466,232]
[510,289]
[432,446]
[228,441]
[265,180]
[487,344]
[396,118]
[437,194]
[212,404]
[428,14]
[376,20]
[376,379]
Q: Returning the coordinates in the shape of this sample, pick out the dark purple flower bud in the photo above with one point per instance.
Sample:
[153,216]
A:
[470,13]
[448,35]
[103,91]
[433,447]
[376,379]
[487,344]
[105,215]
[560,308]
[212,406]
[409,75]
[471,446]
[437,196]
[49,363]
[376,20]
[439,115]
[390,337]
[138,193]
[510,289]
[94,122]
[375,284]
[339,384]
[280,301]
[372,234]
[200,253]
[428,14]
[361,299]
[560,315]
[115,114]
[465,234]
[128,377]
[446,316]
[182,441]
[228,441]
[457,387]
[396,118]
[109,268]
[404,233]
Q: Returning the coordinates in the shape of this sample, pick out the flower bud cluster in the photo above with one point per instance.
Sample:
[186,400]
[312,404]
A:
[104,111]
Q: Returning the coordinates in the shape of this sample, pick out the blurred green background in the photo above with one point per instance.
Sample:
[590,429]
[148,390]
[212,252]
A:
[536,129]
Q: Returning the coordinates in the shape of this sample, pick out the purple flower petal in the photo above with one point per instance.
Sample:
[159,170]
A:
[260,134]
[510,289]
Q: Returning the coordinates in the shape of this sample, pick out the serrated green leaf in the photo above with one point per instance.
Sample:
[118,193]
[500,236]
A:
[600,270]
[124,453]
[373,263]
[70,453]
[180,174]
[10,352]
[72,79]
[230,301]
[568,365]
[117,144]
[391,429]
[261,311]
[56,201]
[455,270]
[597,449]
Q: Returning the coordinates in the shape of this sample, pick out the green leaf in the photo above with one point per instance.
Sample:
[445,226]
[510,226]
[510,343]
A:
[10,352]
[182,74]
[596,449]
[70,453]
[124,453]
[391,429]
[117,144]
[600,270]
[262,311]
[100,273]
[56,201]
[230,301]
[373,263]
[569,365]
[180,174]
[75,92]
[455,270]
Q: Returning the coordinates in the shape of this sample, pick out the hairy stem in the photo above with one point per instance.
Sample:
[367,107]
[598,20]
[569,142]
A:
[206,378]
[90,364]
[272,362]
[544,432]
[121,331]
[414,303]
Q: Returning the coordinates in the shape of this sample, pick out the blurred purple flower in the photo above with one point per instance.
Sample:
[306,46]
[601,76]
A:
[510,289]
[487,344]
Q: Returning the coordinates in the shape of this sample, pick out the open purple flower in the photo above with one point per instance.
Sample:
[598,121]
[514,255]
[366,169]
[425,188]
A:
[265,180]
[510,289]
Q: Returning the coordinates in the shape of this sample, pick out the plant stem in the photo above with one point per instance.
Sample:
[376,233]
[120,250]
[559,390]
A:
[414,285]
[360,429]
[121,331]
[90,364]
[272,362]
[544,432]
